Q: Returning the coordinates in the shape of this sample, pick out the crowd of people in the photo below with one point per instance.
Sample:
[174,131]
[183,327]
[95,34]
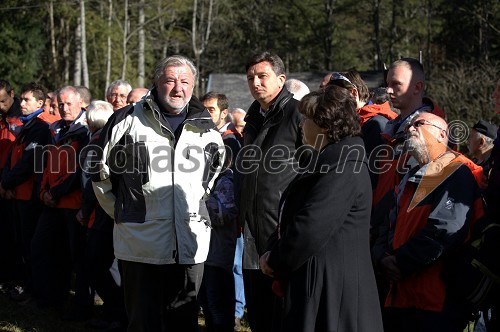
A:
[328,210]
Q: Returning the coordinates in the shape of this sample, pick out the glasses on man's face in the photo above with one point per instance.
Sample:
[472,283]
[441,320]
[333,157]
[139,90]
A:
[116,95]
[422,122]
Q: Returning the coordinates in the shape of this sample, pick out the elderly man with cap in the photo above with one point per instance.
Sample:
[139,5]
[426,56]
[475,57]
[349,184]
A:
[480,143]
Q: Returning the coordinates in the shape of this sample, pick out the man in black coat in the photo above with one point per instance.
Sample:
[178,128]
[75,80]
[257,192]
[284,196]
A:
[267,165]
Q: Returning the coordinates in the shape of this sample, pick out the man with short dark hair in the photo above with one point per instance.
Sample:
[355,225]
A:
[217,105]
[271,137]
[50,113]
[19,181]
[10,125]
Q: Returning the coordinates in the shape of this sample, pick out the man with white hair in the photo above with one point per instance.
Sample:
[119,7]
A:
[99,257]
[117,93]
[160,157]
[297,87]
[61,193]
[238,119]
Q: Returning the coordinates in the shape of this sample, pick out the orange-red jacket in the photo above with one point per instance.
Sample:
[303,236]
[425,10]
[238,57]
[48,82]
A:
[10,125]
[25,158]
[61,176]
[369,111]
[436,207]
[49,117]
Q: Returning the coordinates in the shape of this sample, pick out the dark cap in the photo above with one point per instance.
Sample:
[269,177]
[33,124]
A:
[486,128]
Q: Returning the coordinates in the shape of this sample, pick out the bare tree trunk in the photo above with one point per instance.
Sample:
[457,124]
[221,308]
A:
[124,43]
[196,51]
[200,43]
[328,34]
[77,69]
[108,53]
[85,69]
[66,48]
[376,30]
[161,24]
[141,40]
[55,62]
[428,61]
[483,29]
[393,31]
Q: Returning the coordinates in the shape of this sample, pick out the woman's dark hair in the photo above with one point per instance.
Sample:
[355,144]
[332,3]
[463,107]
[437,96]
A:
[333,109]
[355,78]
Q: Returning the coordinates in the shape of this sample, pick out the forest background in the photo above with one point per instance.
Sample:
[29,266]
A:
[93,42]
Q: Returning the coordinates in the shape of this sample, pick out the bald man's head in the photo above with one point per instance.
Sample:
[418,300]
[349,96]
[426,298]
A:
[427,137]
[136,94]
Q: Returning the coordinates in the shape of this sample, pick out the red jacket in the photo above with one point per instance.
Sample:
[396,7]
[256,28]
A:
[369,111]
[10,125]
[436,207]
[26,158]
[61,176]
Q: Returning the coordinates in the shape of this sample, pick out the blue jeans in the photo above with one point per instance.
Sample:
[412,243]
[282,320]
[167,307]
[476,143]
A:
[238,278]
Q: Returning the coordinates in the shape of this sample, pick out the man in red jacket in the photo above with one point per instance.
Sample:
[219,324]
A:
[10,124]
[19,181]
[435,206]
[58,242]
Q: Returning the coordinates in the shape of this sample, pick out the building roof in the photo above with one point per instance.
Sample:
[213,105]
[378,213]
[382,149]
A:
[235,86]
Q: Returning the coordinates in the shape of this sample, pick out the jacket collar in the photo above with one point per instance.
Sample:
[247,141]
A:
[197,115]
[275,112]
[27,118]
[80,123]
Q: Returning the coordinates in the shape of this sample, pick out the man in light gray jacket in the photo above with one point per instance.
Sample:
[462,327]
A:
[159,160]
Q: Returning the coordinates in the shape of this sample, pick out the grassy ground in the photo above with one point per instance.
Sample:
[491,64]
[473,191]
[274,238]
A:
[15,317]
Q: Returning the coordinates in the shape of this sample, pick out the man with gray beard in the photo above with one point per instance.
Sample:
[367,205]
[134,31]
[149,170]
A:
[433,211]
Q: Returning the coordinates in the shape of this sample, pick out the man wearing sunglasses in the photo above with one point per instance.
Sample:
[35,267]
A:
[405,86]
[429,221]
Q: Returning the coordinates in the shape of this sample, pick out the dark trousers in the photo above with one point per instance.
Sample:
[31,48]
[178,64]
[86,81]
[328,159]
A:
[26,215]
[57,247]
[10,258]
[263,307]
[161,297]
[415,320]
[99,257]
[217,298]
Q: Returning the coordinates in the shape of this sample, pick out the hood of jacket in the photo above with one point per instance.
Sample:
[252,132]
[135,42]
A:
[369,111]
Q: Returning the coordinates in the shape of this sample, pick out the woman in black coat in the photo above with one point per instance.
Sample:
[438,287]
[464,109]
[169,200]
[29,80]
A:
[320,254]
